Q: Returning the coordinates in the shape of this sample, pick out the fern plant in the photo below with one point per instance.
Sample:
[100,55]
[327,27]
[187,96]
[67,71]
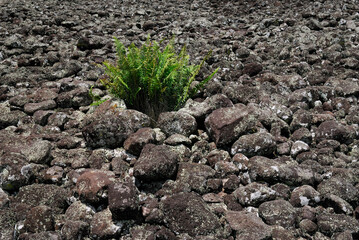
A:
[152,80]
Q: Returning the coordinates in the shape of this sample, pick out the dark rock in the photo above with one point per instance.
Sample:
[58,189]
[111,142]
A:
[40,117]
[308,226]
[123,199]
[10,118]
[4,199]
[298,147]
[188,213]
[333,223]
[54,174]
[78,211]
[339,187]
[262,168]
[177,122]
[156,163]
[177,139]
[216,156]
[39,219]
[338,204]
[40,236]
[302,134]
[58,119]
[43,194]
[335,131]
[200,109]
[136,141]
[75,98]
[252,69]
[7,223]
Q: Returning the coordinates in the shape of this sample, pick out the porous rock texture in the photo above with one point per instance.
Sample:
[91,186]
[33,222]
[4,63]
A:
[268,150]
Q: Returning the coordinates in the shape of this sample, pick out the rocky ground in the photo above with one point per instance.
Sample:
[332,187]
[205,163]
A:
[269,149]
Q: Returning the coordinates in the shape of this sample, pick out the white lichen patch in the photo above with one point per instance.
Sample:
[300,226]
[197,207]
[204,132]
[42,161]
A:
[304,201]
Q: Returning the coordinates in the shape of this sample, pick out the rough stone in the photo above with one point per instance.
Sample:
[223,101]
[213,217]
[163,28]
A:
[156,163]
[278,212]
[248,225]
[177,122]
[188,213]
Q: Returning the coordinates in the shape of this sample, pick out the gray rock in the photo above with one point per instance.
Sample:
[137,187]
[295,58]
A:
[333,223]
[278,212]
[195,175]
[102,226]
[110,127]
[30,108]
[260,144]
[339,187]
[177,122]
[304,195]
[254,194]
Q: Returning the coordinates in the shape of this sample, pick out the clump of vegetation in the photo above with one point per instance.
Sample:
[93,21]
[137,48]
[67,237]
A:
[152,80]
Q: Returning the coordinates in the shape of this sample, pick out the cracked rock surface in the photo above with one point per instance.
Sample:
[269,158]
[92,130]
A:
[268,150]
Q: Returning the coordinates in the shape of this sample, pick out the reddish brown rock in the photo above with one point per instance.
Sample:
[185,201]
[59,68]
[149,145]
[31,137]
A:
[248,225]
[136,141]
[91,185]
[102,226]
[222,124]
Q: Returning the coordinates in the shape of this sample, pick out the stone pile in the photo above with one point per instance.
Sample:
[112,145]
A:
[268,150]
